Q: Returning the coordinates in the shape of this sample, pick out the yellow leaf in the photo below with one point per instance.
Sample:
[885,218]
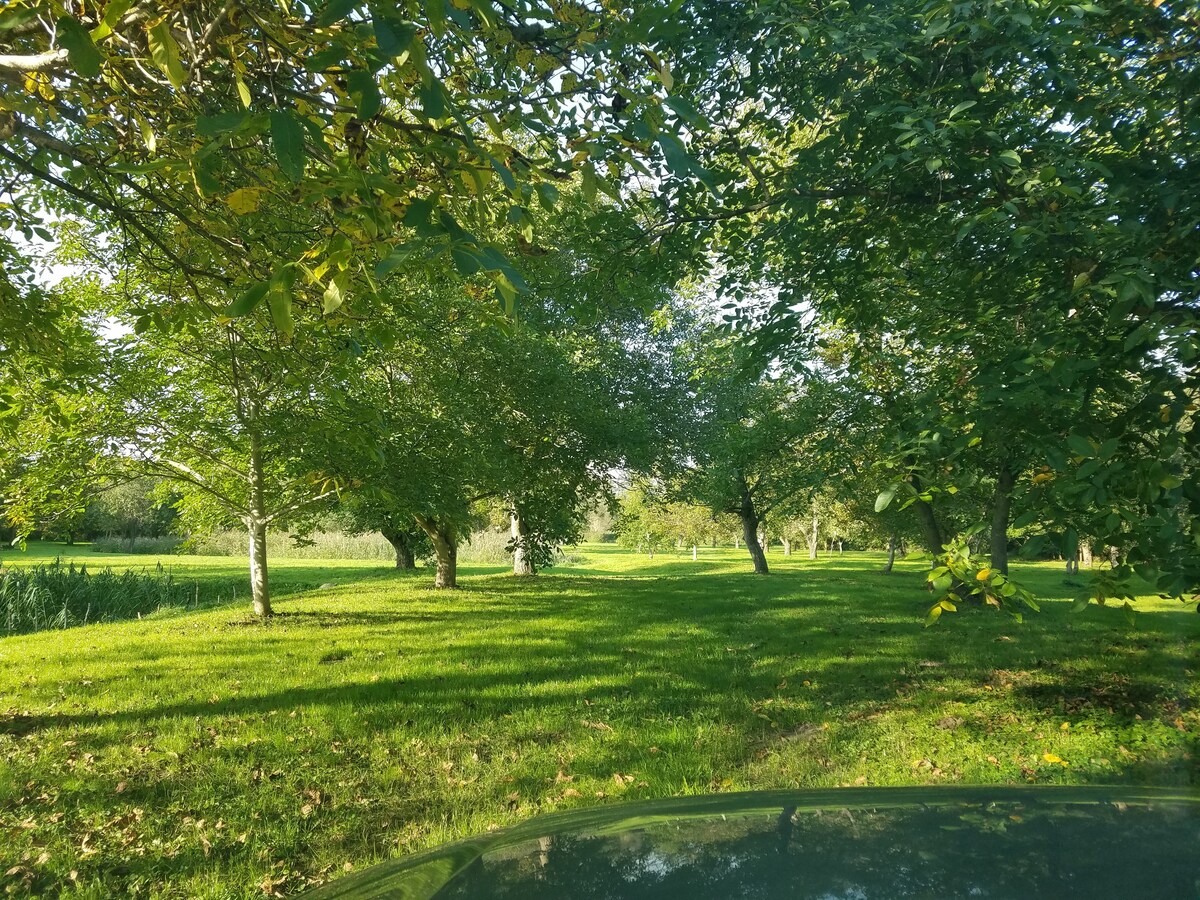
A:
[243,92]
[1054,758]
[983,575]
[244,200]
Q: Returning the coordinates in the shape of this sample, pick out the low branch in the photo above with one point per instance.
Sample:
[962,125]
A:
[32,62]
[297,506]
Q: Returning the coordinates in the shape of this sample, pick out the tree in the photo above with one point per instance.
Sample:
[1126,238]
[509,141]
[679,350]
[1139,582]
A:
[400,130]
[642,523]
[909,173]
[757,440]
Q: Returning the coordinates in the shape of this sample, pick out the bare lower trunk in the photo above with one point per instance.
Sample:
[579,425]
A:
[447,564]
[694,556]
[1001,503]
[256,524]
[931,531]
[750,523]
[445,548]
[1085,553]
[787,546]
[522,561]
[891,557]
[812,541]
[260,590]
[737,543]
[1114,556]
[402,543]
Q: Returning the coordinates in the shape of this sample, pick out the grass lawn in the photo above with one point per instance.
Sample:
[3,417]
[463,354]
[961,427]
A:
[201,754]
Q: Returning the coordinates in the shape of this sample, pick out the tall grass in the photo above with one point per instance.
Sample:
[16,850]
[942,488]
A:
[486,547]
[37,598]
[156,546]
[280,545]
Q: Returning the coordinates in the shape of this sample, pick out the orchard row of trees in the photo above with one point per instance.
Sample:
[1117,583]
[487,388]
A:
[412,256]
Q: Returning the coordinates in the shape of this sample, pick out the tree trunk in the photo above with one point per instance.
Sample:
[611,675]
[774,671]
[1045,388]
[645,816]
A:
[401,542]
[519,528]
[256,523]
[1114,556]
[737,542]
[750,523]
[694,556]
[841,549]
[1001,503]
[891,558]
[445,548]
[260,590]
[1085,553]
[816,526]
[787,546]
[931,531]
[447,563]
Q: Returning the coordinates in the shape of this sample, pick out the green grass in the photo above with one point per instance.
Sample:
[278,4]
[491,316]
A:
[200,754]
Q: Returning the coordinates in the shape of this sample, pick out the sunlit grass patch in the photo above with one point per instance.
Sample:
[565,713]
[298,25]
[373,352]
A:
[196,755]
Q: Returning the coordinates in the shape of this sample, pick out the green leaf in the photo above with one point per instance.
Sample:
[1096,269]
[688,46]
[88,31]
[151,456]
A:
[399,255]
[547,195]
[82,53]
[1011,157]
[507,293]
[113,13]
[1079,445]
[279,297]
[965,105]
[335,10]
[205,176]
[885,498]
[164,51]
[419,214]
[504,172]
[392,36]
[249,299]
[465,261]
[432,98]
[365,92]
[15,18]
[335,293]
[435,13]
[212,126]
[676,155]
[287,140]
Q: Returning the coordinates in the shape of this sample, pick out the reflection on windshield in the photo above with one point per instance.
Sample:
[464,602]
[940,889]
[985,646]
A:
[1020,845]
[1001,851]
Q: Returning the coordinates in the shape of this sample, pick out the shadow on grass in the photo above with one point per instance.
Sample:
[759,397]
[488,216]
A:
[508,646]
